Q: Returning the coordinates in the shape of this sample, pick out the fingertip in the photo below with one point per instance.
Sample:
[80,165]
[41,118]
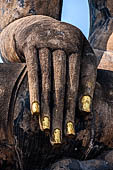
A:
[35,108]
[85,104]
[70,130]
[46,123]
[56,139]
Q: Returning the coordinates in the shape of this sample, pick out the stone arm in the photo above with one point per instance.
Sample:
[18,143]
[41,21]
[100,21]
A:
[12,10]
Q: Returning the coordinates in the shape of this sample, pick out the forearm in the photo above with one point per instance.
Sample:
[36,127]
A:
[13,10]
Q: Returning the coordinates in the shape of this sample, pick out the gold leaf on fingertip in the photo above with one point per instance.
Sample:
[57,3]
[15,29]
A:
[35,109]
[57,136]
[86,103]
[45,123]
[70,129]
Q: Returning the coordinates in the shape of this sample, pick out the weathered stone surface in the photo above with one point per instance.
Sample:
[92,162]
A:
[41,32]
[94,132]
[8,91]
[71,164]
[38,31]
[8,83]
[37,154]
[12,10]
[101,31]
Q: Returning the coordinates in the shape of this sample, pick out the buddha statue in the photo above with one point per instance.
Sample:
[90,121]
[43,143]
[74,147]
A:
[56,107]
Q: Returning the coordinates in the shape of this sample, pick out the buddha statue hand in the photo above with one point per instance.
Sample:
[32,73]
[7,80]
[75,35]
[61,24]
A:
[61,70]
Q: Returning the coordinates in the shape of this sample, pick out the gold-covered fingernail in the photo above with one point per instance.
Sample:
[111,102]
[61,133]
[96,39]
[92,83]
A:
[57,136]
[86,103]
[45,123]
[70,129]
[35,108]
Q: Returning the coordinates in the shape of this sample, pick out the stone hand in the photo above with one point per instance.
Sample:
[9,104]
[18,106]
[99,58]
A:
[61,70]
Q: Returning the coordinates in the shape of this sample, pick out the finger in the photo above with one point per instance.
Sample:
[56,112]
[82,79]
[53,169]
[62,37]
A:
[59,68]
[45,65]
[33,79]
[72,91]
[88,78]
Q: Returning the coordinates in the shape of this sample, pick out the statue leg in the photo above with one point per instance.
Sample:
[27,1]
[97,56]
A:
[72,164]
